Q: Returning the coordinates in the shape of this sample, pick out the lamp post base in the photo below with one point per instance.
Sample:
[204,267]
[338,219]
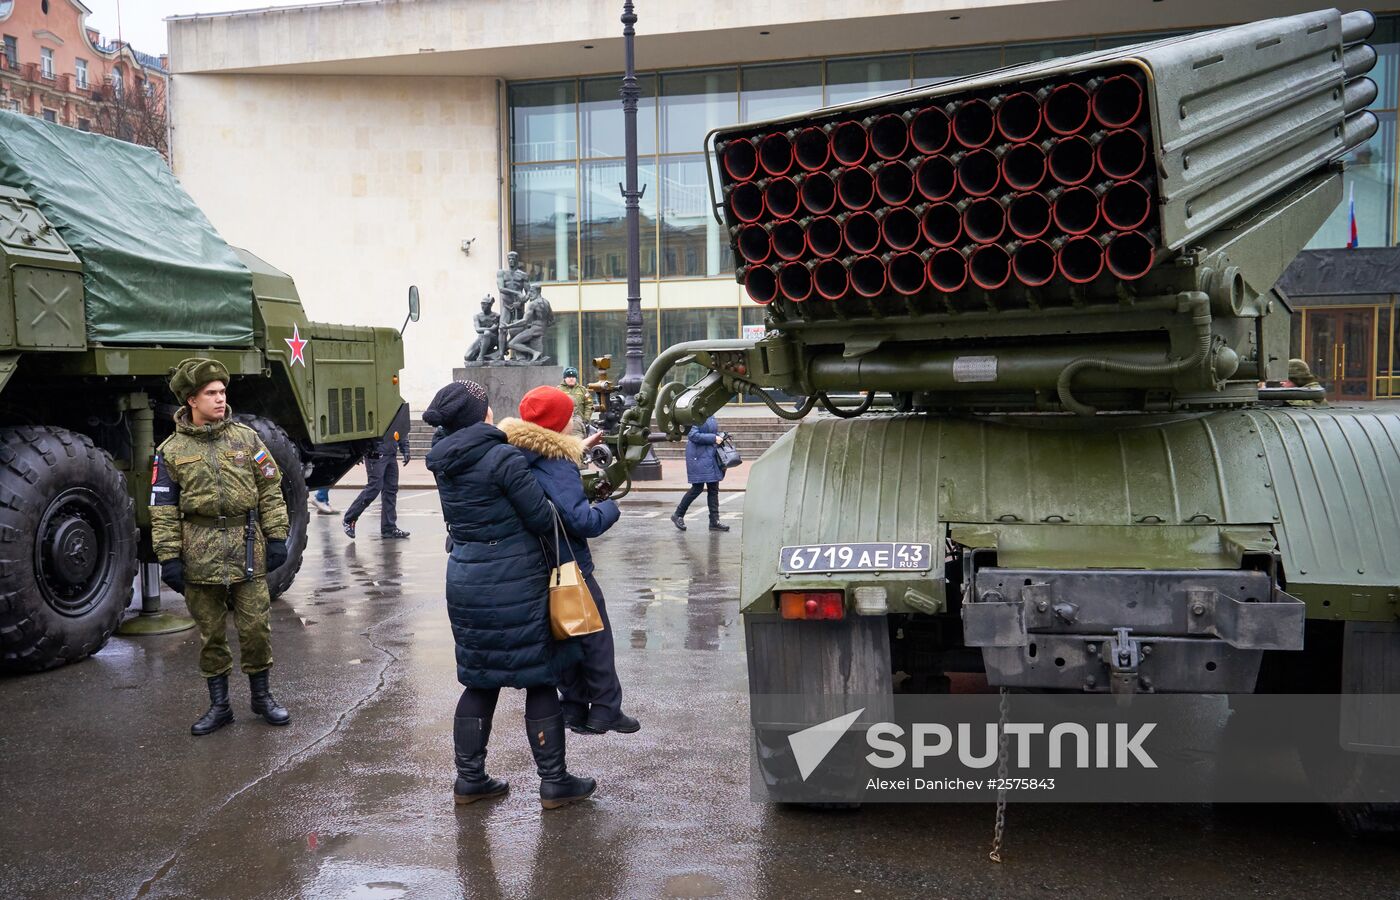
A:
[649,469]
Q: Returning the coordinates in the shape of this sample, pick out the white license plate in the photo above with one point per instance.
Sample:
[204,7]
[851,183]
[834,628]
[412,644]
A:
[893,556]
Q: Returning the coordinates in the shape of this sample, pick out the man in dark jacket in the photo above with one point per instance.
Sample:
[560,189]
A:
[592,693]
[498,595]
[381,480]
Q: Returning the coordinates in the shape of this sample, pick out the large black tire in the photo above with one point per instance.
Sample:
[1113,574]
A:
[288,460]
[68,544]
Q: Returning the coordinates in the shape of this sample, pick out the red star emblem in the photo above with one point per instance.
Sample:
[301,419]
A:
[298,345]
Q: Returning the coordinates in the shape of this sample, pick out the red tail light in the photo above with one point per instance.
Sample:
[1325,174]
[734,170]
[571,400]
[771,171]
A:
[812,604]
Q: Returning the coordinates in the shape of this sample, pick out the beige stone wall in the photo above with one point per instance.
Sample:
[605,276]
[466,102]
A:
[357,187]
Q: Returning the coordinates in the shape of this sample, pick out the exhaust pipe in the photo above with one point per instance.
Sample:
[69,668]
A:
[861,231]
[984,220]
[855,188]
[1023,166]
[849,143]
[746,201]
[1065,107]
[906,272]
[1127,204]
[989,266]
[810,148]
[868,276]
[781,197]
[754,244]
[1071,160]
[1121,154]
[823,236]
[1075,210]
[818,193]
[1028,215]
[740,159]
[1079,258]
[930,129]
[947,270]
[889,134]
[894,181]
[795,281]
[979,171]
[936,178]
[1117,100]
[775,154]
[831,279]
[941,225]
[899,227]
[760,283]
[973,123]
[1130,256]
[788,239]
[1032,262]
[1018,116]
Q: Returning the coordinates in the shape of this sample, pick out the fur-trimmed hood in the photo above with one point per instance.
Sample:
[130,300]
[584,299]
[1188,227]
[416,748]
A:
[540,440]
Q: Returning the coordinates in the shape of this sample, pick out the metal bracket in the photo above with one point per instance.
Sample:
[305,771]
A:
[1124,654]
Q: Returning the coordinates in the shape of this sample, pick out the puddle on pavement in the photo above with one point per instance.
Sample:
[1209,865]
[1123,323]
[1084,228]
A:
[692,885]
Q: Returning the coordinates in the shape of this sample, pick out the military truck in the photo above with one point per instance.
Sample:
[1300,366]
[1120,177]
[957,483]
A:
[110,276]
[1058,279]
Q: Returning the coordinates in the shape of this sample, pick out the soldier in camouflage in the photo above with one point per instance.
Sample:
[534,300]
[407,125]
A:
[218,525]
[583,400]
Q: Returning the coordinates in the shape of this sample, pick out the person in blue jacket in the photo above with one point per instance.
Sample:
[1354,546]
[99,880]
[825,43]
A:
[592,701]
[498,595]
[703,471]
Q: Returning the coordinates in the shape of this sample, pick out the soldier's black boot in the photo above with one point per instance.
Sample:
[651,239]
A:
[220,713]
[557,787]
[469,737]
[717,525]
[264,704]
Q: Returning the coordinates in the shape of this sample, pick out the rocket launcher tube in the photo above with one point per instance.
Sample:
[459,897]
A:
[868,276]
[1028,215]
[788,239]
[930,130]
[936,178]
[850,143]
[810,147]
[989,266]
[818,193]
[823,235]
[894,182]
[855,188]
[984,220]
[889,134]
[973,123]
[780,196]
[775,153]
[1018,115]
[942,225]
[795,281]
[900,226]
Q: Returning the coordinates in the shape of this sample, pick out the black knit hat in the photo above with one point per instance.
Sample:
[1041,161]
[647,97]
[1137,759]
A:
[458,405]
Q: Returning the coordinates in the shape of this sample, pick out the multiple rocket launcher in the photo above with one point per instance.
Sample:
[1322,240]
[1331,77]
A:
[1051,177]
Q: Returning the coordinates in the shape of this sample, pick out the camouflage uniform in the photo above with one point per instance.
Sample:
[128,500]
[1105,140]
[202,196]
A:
[204,481]
[583,400]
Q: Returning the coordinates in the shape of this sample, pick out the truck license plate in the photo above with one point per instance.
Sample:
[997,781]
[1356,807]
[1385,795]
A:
[870,557]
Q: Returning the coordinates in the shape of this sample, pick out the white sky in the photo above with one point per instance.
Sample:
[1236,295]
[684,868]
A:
[143,21]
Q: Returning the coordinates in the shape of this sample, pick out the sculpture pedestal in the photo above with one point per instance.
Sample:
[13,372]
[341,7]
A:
[505,385]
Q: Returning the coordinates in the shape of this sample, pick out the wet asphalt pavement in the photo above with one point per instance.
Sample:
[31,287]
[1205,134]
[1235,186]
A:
[105,794]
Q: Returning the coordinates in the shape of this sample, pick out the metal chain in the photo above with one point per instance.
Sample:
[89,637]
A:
[1000,831]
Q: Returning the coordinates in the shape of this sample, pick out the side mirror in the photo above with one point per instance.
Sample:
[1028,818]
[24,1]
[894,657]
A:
[413,307]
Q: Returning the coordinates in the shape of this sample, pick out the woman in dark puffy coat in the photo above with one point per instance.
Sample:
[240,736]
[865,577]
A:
[703,471]
[498,595]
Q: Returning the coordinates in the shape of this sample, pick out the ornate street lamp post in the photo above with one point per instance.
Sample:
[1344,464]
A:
[631,383]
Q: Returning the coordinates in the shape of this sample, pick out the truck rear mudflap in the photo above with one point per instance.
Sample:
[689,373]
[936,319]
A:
[1128,630]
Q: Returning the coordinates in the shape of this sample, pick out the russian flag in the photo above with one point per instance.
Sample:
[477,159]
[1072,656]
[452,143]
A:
[1352,241]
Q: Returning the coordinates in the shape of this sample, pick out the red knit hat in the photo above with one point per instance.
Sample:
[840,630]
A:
[547,407]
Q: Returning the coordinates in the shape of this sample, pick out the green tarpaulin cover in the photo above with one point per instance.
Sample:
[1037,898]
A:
[154,269]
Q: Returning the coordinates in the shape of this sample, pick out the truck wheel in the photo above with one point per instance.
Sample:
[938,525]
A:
[67,548]
[288,460]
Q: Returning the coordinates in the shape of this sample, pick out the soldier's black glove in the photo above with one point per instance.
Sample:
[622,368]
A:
[172,572]
[276,554]
[406,457]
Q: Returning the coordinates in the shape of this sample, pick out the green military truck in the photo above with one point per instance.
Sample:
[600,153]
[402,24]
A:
[109,275]
[1038,305]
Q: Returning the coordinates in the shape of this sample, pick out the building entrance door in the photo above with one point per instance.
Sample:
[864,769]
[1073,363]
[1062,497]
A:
[1340,351]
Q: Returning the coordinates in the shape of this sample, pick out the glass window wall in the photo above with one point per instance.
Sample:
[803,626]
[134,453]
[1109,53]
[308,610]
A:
[692,243]
[606,333]
[849,80]
[544,220]
[604,228]
[543,122]
[600,117]
[693,104]
[769,91]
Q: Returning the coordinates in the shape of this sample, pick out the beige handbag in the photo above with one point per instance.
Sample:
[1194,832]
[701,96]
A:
[572,612]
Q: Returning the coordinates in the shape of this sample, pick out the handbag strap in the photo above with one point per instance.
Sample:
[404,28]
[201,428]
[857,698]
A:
[558,555]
